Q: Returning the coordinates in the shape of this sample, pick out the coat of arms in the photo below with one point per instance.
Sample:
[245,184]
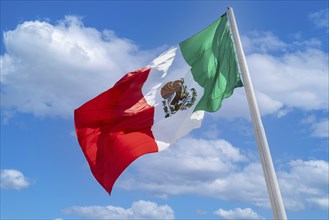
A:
[176,97]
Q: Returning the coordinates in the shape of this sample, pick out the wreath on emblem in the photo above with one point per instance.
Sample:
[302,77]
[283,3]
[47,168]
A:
[176,97]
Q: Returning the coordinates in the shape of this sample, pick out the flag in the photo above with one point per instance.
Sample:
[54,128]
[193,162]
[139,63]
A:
[149,109]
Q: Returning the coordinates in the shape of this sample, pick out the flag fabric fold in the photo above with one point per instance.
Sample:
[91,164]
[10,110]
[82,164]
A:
[149,109]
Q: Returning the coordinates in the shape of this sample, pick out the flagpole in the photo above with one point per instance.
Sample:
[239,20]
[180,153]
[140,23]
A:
[263,148]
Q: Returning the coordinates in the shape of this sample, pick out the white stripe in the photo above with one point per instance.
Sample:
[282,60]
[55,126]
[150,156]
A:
[171,66]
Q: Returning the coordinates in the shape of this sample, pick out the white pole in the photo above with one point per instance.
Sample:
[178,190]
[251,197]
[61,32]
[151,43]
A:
[264,151]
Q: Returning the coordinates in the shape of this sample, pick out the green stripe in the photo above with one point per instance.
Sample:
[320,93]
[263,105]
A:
[210,53]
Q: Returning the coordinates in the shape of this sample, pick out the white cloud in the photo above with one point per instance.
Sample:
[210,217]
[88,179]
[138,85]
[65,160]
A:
[321,18]
[321,128]
[49,70]
[267,43]
[264,42]
[305,185]
[139,210]
[238,213]
[318,128]
[216,169]
[13,179]
[309,120]
[234,107]
[296,80]
[201,212]
[285,76]
[196,166]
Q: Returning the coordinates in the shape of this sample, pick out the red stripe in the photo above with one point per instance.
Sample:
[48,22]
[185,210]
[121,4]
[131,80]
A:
[114,128]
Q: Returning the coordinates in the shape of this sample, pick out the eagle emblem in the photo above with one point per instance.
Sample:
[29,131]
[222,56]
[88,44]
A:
[176,97]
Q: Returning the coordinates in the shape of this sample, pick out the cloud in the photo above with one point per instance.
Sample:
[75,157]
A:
[216,169]
[282,83]
[201,212]
[296,80]
[305,185]
[212,168]
[320,18]
[13,179]
[321,128]
[285,76]
[318,128]
[264,42]
[49,70]
[237,213]
[138,210]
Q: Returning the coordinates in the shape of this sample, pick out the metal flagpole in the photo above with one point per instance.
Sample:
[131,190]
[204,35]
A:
[264,151]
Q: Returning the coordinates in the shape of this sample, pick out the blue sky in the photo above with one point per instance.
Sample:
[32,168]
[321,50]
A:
[56,55]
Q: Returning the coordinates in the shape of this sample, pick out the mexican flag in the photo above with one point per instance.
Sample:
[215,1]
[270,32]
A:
[149,109]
